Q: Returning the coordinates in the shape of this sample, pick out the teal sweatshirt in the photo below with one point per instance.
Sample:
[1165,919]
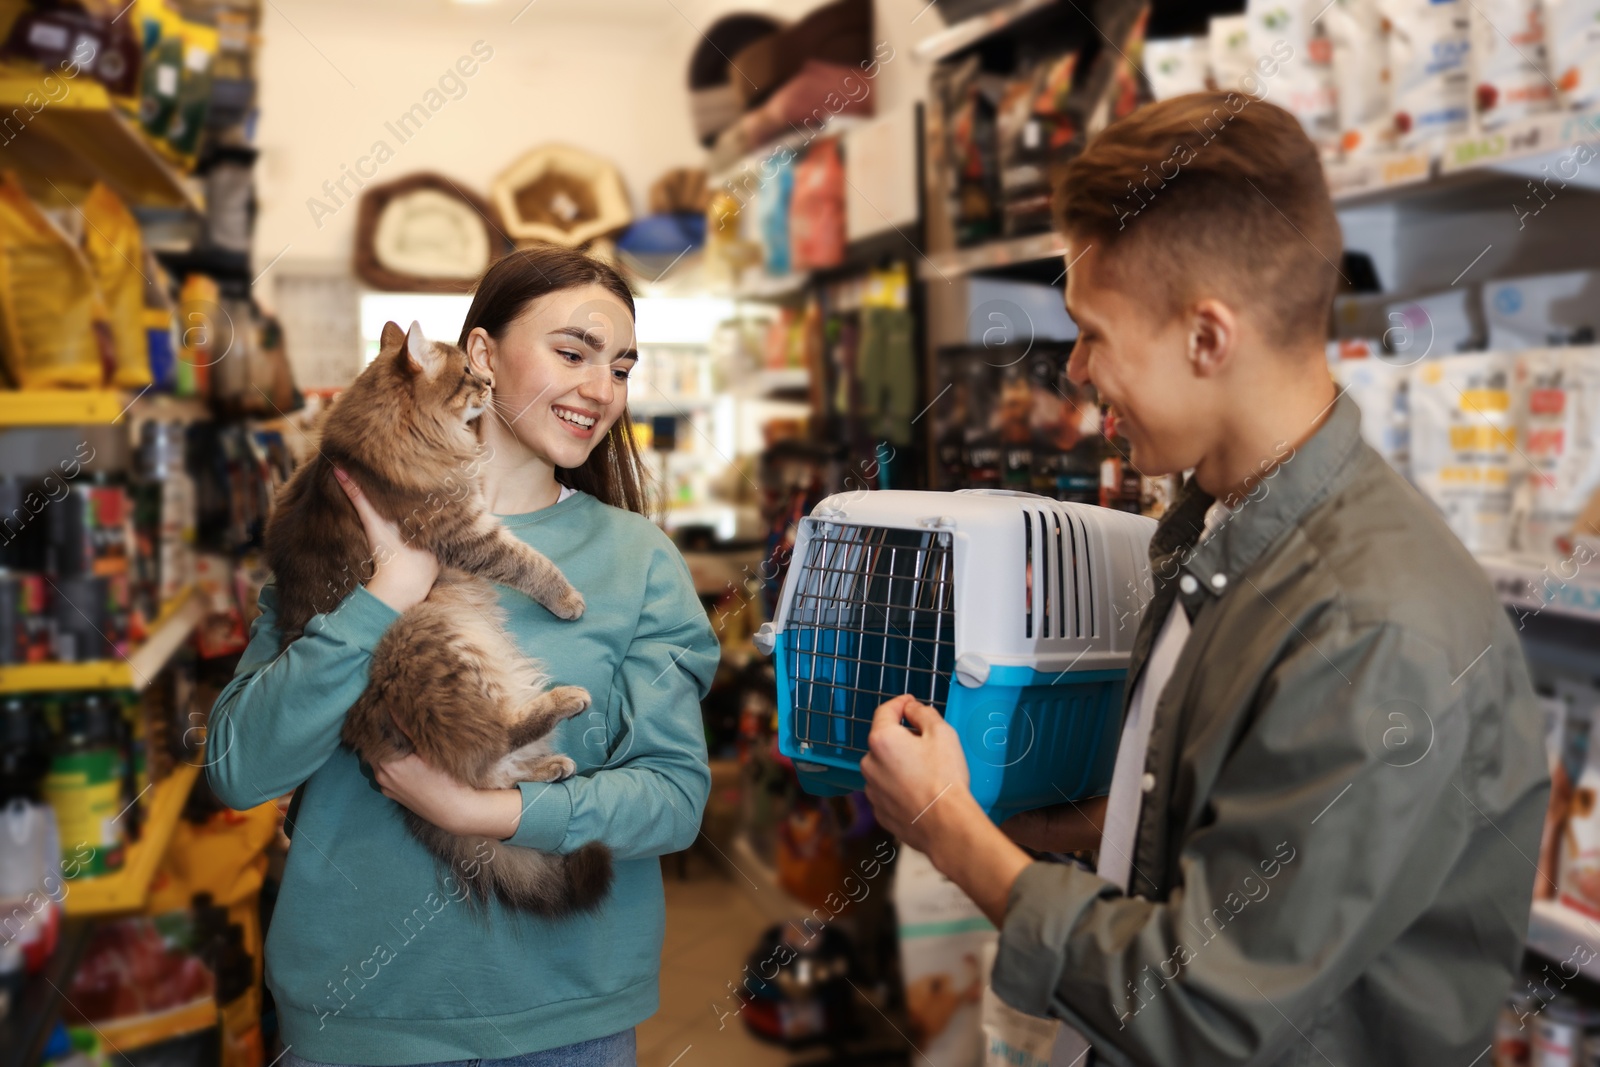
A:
[373,955]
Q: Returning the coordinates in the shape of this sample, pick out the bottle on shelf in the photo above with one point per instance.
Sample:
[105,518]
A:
[84,786]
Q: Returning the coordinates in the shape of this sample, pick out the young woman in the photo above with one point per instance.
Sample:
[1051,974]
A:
[374,956]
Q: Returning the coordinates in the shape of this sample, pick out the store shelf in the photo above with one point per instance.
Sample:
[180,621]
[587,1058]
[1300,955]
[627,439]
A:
[82,138]
[1561,588]
[91,407]
[130,1035]
[129,888]
[990,256]
[968,32]
[170,631]
[25,1030]
[759,285]
[795,142]
[1455,162]
[59,407]
[1557,932]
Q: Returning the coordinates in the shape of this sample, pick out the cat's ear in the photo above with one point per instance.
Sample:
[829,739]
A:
[419,353]
[391,339]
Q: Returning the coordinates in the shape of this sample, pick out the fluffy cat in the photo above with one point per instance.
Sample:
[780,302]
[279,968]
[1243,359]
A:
[448,672]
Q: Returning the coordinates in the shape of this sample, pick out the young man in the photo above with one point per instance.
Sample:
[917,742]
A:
[1319,841]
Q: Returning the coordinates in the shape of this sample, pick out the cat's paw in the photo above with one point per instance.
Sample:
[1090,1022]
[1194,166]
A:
[561,767]
[568,606]
[549,769]
[568,700]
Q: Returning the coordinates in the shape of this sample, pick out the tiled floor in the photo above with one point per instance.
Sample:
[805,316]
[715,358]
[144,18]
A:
[713,920]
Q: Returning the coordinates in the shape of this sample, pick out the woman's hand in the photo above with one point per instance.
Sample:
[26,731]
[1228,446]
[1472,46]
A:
[402,573]
[447,803]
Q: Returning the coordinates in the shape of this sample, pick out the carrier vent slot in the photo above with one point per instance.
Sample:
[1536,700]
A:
[873,616]
[1049,601]
[1027,575]
[1083,572]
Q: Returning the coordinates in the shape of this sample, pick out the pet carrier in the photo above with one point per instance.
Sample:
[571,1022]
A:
[1012,614]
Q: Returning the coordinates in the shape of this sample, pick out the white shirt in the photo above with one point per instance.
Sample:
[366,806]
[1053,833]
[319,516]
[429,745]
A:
[1129,782]
[566,491]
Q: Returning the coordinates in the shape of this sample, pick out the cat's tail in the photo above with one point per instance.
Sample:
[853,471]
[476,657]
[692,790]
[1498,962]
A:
[524,879]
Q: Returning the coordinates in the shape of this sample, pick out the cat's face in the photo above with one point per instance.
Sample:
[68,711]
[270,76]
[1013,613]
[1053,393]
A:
[441,380]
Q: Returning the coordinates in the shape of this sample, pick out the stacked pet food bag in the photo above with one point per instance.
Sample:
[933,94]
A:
[1506,443]
[1374,76]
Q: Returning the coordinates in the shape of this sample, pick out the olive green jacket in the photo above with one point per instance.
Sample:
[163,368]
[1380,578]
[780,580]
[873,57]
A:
[1342,801]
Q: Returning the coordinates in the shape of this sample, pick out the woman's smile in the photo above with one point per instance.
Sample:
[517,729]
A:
[576,421]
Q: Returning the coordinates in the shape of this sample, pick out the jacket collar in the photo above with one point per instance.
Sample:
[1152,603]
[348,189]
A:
[1302,478]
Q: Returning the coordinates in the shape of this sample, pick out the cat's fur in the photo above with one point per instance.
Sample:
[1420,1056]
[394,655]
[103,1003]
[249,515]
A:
[448,672]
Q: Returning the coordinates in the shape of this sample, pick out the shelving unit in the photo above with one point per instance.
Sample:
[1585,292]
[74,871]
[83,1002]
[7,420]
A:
[83,138]
[171,629]
[1454,164]
[129,888]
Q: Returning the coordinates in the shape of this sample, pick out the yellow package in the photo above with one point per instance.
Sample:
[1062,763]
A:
[53,328]
[112,243]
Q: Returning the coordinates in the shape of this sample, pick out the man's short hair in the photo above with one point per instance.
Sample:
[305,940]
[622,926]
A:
[1213,188]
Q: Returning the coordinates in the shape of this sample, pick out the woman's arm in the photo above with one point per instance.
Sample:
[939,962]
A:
[647,798]
[280,717]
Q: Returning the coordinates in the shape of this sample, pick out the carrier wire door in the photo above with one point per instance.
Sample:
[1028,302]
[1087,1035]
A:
[1011,614]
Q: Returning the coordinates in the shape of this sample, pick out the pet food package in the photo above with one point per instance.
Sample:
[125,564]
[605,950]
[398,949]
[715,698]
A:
[943,938]
[52,318]
[1012,1038]
[1177,66]
[816,212]
[1381,389]
[1559,390]
[1360,42]
[775,199]
[114,247]
[1509,80]
[1543,309]
[1438,324]
[1572,47]
[1233,63]
[1578,885]
[1430,74]
[1304,82]
[1464,444]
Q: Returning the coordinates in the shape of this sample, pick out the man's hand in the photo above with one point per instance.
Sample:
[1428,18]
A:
[920,791]
[447,803]
[909,773]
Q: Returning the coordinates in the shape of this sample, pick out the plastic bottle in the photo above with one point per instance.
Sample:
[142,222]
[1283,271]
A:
[84,787]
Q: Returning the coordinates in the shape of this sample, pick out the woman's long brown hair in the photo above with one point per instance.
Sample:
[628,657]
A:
[613,473]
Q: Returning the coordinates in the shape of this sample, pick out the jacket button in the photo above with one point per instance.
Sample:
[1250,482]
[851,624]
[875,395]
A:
[1148,782]
[1219,581]
[1188,584]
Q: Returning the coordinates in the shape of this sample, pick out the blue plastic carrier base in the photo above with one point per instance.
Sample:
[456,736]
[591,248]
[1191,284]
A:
[1031,740]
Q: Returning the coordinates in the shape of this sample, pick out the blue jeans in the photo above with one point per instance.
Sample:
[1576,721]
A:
[618,1050]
